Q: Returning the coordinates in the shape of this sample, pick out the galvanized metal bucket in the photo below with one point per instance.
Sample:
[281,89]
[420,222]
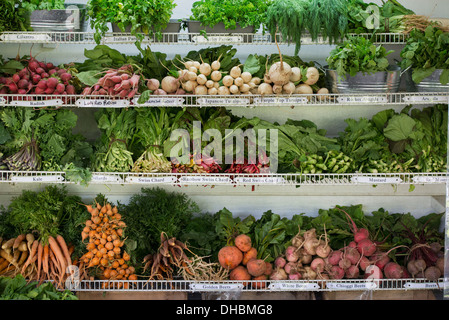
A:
[171,31]
[429,84]
[379,82]
[70,19]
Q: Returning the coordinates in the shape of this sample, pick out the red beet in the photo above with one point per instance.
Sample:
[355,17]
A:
[366,247]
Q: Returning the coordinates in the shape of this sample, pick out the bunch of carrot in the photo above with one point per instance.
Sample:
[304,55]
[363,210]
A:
[105,239]
[36,259]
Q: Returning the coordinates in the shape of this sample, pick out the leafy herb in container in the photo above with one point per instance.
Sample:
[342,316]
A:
[358,65]
[136,17]
[228,16]
[426,54]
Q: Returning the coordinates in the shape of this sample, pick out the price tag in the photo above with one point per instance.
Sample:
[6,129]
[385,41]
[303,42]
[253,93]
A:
[25,37]
[103,178]
[219,39]
[102,103]
[259,180]
[425,285]
[294,286]
[222,101]
[44,178]
[336,285]
[43,103]
[150,180]
[362,99]
[212,180]
[124,39]
[429,99]
[429,179]
[281,100]
[159,101]
[376,180]
[215,286]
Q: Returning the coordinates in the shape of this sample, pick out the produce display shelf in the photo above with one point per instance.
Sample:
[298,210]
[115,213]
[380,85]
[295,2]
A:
[181,38]
[257,285]
[231,179]
[244,101]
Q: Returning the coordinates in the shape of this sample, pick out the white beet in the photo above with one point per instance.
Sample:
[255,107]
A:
[280,262]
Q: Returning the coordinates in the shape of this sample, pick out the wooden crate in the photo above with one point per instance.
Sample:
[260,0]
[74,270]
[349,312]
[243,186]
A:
[130,295]
[380,295]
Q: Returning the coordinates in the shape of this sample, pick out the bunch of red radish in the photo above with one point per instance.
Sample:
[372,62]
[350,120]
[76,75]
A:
[120,83]
[363,258]
[38,78]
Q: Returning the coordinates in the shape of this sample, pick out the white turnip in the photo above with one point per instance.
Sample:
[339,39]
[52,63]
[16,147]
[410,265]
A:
[280,73]
[235,72]
[223,91]
[169,84]
[265,89]
[215,76]
[296,74]
[246,77]
[312,76]
[303,89]
[153,84]
[228,81]
[205,69]
[201,79]
[200,90]
[288,88]
[292,254]
[238,81]
[234,89]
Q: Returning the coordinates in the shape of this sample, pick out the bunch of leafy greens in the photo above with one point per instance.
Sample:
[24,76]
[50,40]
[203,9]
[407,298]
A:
[143,17]
[292,18]
[31,5]
[14,17]
[426,52]
[19,288]
[151,212]
[43,140]
[230,12]
[48,212]
[372,18]
[358,54]
[112,150]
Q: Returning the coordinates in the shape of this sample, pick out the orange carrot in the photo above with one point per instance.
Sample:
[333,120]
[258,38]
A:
[40,250]
[18,240]
[64,249]
[58,253]
[45,259]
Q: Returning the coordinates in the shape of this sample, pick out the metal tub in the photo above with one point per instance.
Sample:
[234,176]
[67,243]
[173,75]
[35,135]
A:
[379,82]
[429,84]
[71,19]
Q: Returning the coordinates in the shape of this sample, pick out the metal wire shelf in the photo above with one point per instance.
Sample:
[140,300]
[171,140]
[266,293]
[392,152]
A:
[182,38]
[244,101]
[213,179]
[257,285]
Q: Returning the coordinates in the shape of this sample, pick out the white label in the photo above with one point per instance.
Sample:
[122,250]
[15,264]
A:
[376,180]
[124,39]
[220,39]
[297,286]
[220,180]
[2,101]
[150,180]
[281,100]
[43,103]
[423,179]
[105,178]
[46,178]
[160,101]
[260,180]
[430,99]
[364,99]
[99,103]
[367,285]
[215,286]
[221,101]
[426,285]
[26,37]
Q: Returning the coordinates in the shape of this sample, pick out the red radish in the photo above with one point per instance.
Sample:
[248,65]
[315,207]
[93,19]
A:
[361,234]
[70,89]
[366,247]
[42,84]
[52,82]
[52,71]
[21,91]
[124,93]
[61,71]
[23,72]
[126,84]
[50,65]
[393,270]
[39,90]
[65,76]
[36,78]
[16,78]
[33,65]
[117,79]
[22,84]
[45,75]
[124,76]
[42,65]
[13,87]
[40,70]
[60,88]
[134,80]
